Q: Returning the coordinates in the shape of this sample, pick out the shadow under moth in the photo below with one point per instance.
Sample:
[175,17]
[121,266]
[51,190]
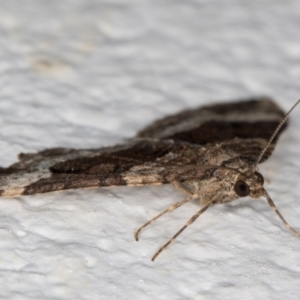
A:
[210,153]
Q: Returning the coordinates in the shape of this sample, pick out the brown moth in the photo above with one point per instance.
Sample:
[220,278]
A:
[210,153]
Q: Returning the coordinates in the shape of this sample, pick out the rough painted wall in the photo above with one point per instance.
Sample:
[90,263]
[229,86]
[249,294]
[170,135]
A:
[91,73]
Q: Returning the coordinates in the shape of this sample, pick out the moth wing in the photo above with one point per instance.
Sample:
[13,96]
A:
[140,162]
[172,149]
[245,121]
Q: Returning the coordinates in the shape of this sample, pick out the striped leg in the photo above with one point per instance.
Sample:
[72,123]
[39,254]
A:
[189,222]
[168,210]
[272,204]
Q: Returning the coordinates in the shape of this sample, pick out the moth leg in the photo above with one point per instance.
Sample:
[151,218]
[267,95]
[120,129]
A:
[182,188]
[287,225]
[168,210]
[189,222]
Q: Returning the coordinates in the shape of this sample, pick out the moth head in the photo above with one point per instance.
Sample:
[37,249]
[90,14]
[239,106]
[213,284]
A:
[249,184]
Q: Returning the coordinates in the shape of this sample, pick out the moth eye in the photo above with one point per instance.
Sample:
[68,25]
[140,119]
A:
[241,188]
[259,177]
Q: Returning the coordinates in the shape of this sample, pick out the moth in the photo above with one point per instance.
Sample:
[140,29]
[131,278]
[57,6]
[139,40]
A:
[210,153]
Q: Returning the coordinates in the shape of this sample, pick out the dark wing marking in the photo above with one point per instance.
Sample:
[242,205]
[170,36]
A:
[247,120]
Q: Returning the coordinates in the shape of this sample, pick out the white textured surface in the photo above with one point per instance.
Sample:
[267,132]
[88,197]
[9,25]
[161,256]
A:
[90,73]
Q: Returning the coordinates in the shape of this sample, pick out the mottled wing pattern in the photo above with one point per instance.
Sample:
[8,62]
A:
[250,120]
[136,163]
[169,150]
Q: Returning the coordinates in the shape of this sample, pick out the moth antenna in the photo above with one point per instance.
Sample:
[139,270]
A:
[275,132]
[272,204]
[189,222]
[168,210]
